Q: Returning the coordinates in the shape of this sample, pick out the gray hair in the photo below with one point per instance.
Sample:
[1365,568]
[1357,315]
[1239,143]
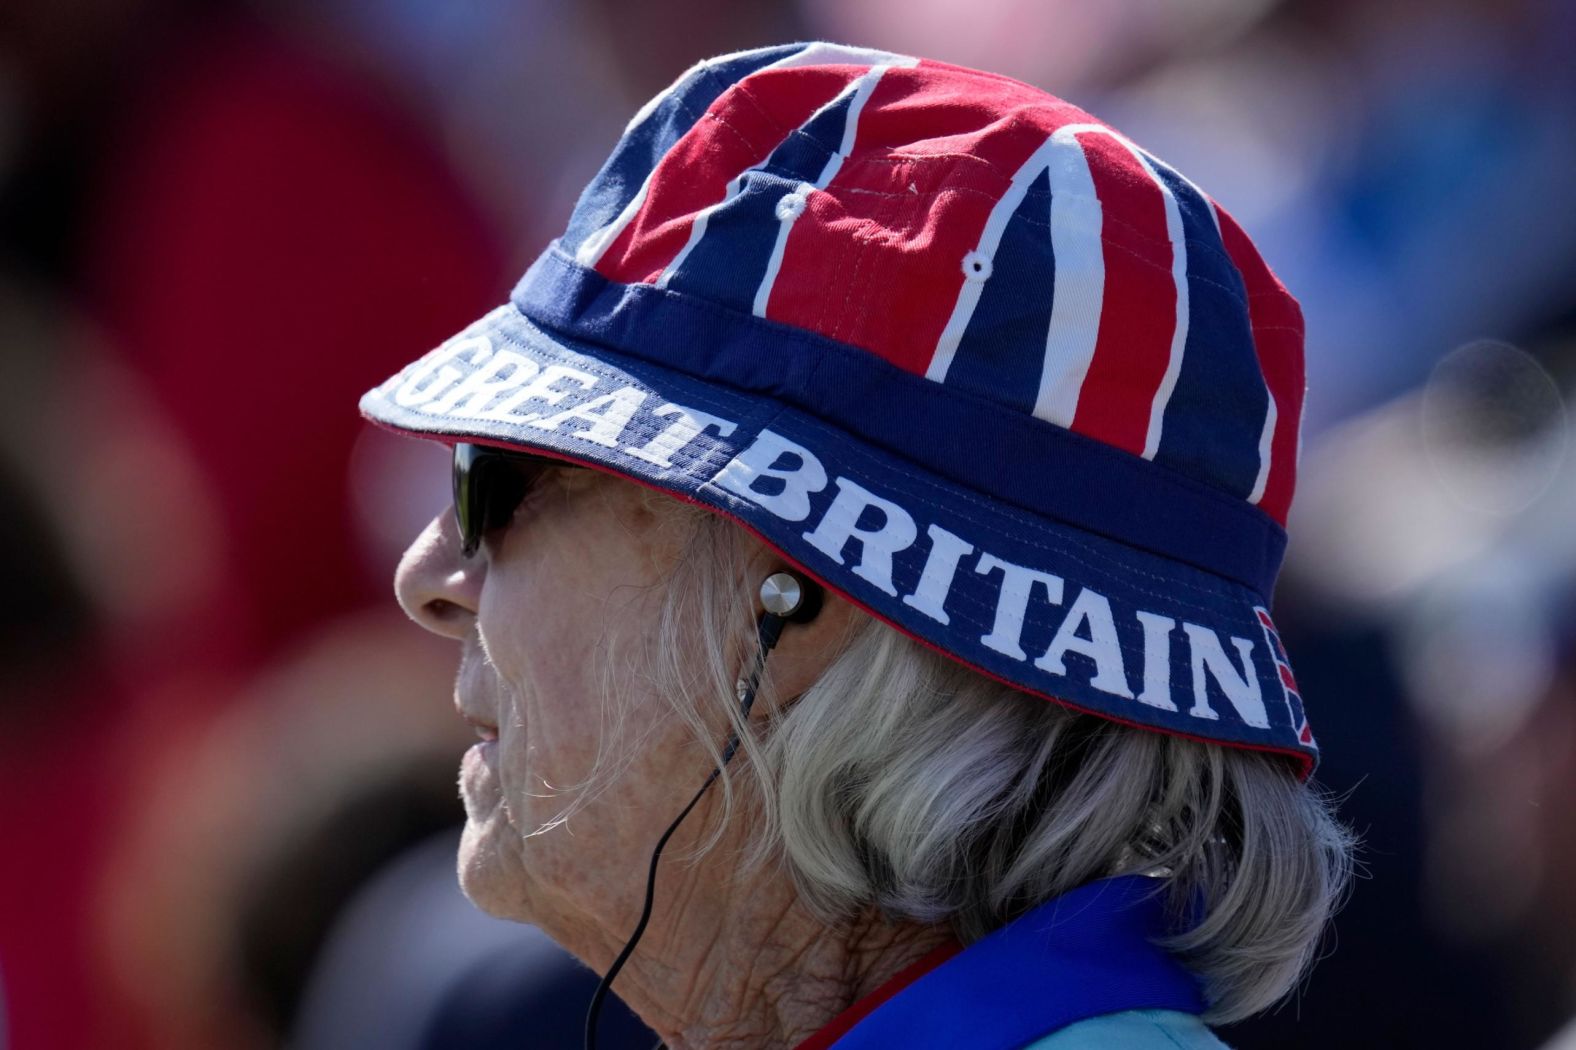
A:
[904,781]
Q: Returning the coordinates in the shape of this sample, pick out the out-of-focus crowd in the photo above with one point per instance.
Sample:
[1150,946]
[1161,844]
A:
[226,762]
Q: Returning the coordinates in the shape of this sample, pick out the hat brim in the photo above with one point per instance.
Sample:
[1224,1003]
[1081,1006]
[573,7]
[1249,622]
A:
[1046,607]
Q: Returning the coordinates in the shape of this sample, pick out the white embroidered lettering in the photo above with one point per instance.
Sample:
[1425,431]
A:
[540,388]
[840,524]
[434,374]
[1102,646]
[935,581]
[605,417]
[758,462]
[687,425]
[1211,661]
[470,396]
[1012,602]
[1157,661]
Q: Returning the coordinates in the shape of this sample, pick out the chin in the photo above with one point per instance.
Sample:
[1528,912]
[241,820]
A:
[489,864]
[489,870]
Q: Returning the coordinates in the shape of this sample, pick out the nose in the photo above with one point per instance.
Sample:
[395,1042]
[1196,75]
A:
[437,586]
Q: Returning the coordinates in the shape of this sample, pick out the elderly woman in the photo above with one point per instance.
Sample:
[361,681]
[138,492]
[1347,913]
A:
[940,441]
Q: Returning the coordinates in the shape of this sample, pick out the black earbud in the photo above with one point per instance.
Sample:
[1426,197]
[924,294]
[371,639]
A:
[786,598]
[794,599]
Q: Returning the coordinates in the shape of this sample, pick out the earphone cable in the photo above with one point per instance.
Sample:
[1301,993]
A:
[768,630]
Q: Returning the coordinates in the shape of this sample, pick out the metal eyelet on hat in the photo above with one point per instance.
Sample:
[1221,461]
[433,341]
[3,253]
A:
[977,266]
[792,205]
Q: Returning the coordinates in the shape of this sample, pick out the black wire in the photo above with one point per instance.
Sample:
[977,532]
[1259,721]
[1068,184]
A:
[645,917]
[768,630]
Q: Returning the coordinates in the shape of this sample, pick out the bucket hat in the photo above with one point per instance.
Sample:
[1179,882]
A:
[954,347]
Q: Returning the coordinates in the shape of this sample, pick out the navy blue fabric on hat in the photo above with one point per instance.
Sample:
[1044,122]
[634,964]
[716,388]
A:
[960,351]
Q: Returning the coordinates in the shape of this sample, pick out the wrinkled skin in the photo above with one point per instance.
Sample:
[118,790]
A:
[558,611]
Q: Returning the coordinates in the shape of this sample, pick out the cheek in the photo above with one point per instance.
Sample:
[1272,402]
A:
[549,679]
[570,642]
[570,638]
[549,713]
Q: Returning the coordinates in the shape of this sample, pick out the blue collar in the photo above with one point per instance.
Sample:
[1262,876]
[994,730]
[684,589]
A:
[1086,953]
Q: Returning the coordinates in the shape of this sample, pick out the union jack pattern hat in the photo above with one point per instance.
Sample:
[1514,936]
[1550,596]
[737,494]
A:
[959,350]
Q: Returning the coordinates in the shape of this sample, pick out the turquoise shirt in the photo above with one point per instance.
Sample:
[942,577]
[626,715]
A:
[1134,1030]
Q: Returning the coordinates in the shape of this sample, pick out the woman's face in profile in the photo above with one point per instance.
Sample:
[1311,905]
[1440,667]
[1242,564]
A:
[557,611]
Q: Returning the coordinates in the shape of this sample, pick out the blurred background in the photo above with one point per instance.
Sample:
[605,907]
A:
[226,762]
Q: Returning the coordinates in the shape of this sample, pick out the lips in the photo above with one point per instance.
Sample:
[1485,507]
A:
[485,730]
[470,690]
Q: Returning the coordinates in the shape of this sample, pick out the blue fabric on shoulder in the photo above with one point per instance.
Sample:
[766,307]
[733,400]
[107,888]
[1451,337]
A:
[1086,953]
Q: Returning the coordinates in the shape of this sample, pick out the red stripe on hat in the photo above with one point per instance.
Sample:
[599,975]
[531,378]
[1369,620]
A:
[877,259]
[1138,313]
[1276,320]
[738,131]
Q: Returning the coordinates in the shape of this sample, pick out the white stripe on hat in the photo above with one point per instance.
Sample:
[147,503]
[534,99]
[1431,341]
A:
[1265,439]
[817,54]
[862,89]
[1060,389]
[595,246]
[990,240]
[1168,382]
[821,53]
[1076,225]
[1271,413]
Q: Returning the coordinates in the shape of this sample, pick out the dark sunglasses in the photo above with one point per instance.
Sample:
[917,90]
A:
[489,484]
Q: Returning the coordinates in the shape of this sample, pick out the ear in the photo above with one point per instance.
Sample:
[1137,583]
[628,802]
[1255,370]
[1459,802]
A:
[805,650]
